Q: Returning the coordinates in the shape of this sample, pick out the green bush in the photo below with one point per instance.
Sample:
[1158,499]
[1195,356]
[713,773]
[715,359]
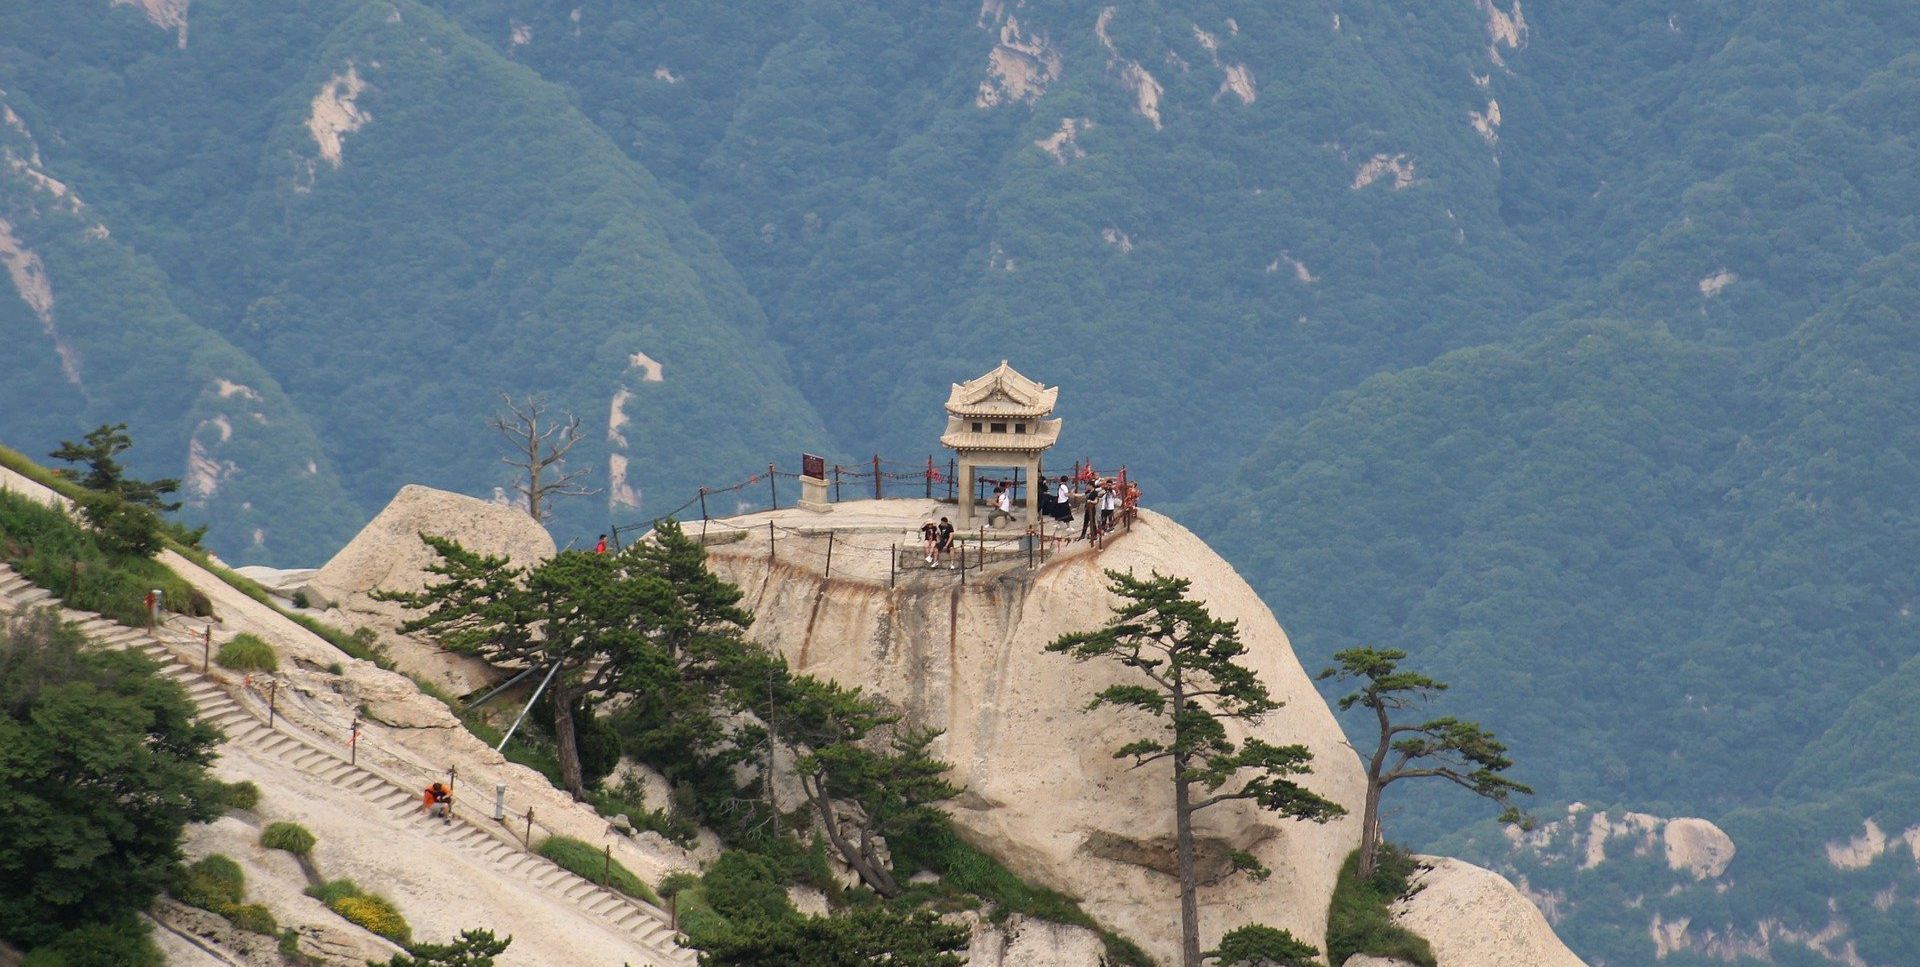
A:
[745,888]
[587,861]
[376,914]
[1358,921]
[246,653]
[291,837]
[211,883]
[240,795]
[300,600]
[371,911]
[122,943]
[333,890]
[254,918]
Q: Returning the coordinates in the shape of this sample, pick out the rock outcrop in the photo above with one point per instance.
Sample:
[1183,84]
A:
[388,555]
[1475,918]
[1042,791]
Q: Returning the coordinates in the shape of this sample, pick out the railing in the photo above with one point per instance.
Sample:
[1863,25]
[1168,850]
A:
[876,478]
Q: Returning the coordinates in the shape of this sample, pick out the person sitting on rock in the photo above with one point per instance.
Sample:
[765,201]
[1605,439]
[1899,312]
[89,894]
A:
[438,801]
[943,544]
[930,536]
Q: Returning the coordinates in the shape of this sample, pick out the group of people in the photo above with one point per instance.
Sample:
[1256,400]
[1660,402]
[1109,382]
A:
[1101,503]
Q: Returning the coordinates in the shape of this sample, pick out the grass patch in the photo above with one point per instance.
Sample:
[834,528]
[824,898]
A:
[1357,919]
[291,837]
[586,861]
[246,653]
[375,913]
[967,870]
[240,795]
[55,552]
[254,918]
[703,925]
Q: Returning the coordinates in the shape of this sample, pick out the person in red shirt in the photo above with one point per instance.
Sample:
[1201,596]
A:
[601,548]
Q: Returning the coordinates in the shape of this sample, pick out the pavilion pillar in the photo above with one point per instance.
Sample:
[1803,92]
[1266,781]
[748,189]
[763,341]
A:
[1034,485]
[965,508]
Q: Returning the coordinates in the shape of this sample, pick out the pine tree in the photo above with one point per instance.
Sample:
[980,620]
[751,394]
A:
[1445,748]
[1193,686]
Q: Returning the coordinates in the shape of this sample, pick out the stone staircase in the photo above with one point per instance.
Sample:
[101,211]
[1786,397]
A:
[243,720]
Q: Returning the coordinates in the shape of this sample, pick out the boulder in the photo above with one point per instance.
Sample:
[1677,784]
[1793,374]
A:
[1473,917]
[1021,941]
[388,555]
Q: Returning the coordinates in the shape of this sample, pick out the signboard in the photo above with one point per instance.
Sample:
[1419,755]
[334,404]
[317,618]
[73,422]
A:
[812,466]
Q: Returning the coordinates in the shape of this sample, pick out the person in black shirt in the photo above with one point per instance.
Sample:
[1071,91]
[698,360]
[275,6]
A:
[944,542]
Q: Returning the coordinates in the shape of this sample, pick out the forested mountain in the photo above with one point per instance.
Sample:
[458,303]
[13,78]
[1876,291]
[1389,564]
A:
[1569,348]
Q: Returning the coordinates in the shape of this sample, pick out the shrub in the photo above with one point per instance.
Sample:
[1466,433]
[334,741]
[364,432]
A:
[746,888]
[1255,945]
[376,914]
[300,599]
[121,943]
[1358,921]
[371,911]
[240,795]
[332,890]
[211,883]
[246,653]
[291,837]
[253,918]
[585,860]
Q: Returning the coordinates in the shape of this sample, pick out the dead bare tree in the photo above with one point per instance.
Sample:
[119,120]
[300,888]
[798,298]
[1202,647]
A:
[539,447]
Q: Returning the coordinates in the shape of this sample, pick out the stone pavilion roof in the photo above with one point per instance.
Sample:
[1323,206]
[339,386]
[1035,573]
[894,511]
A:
[1002,393]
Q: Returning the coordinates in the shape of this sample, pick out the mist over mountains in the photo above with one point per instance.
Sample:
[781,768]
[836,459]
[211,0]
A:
[1569,348]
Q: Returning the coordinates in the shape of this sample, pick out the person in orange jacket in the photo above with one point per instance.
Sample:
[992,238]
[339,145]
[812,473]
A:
[438,801]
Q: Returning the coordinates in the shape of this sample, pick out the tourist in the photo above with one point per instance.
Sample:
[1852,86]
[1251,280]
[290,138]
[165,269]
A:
[1090,510]
[601,547]
[1003,500]
[438,801]
[1063,502]
[944,542]
[1109,502]
[930,537]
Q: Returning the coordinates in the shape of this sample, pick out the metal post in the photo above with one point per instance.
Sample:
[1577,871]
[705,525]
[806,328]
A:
[929,476]
[499,802]
[353,741]
[273,691]
[876,476]
[836,483]
[703,507]
[773,487]
[770,541]
[606,868]
[529,708]
[893,563]
[829,554]
[529,839]
[206,649]
[983,548]
[951,470]
[673,913]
